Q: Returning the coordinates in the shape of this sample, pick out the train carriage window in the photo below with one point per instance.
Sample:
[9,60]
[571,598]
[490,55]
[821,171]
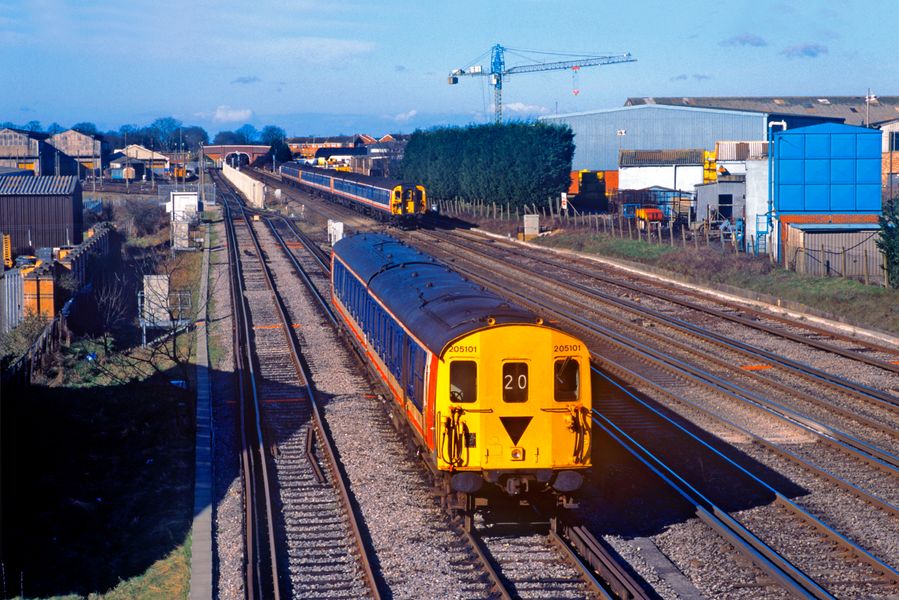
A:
[515,382]
[566,380]
[463,381]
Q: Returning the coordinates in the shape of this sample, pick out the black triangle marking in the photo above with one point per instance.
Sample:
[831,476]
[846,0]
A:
[515,426]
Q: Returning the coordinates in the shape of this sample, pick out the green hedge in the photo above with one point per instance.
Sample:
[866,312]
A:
[513,163]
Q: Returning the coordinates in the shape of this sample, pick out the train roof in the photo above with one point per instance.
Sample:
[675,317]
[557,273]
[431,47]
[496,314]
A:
[437,304]
[381,182]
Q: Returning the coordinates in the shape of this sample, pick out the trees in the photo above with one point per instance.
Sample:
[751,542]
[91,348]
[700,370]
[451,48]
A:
[194,136]
[888,240]
[85,127]
[248,133]
[55,128]
[512,163]
[271,134]
[167,128]
[227,138]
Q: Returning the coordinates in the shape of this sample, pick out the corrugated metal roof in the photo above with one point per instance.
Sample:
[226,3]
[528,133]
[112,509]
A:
[852,109]
[649,158]
[48,185]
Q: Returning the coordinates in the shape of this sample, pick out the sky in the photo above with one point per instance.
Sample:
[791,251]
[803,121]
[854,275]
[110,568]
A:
[325,68]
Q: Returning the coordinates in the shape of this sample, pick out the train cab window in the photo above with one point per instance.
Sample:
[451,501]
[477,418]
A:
[515,382]
[463,381]
[566,380]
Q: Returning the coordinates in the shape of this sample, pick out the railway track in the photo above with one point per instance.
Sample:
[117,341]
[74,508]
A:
[303,537]
[779,511]
[632,360]
[519,563]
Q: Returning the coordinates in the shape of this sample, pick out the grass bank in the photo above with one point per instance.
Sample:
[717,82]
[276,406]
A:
[850,301]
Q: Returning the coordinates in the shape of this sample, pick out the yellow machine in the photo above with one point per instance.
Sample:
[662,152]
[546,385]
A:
[7,251]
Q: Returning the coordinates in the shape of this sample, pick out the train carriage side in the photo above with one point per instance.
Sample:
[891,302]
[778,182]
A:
[384,199]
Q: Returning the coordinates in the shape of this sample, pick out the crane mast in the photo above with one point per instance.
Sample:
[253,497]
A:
[498,71]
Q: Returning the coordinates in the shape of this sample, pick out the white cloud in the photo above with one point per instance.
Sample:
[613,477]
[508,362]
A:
[406,116]
[226,114]
[522,108]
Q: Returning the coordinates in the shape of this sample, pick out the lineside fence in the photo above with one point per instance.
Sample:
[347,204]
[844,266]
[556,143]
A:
[864,263]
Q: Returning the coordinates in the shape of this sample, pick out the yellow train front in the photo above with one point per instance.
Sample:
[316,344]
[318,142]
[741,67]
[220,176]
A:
[495,398]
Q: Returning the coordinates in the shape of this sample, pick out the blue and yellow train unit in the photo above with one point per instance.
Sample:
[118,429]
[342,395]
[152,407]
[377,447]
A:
[495,398]
[385,199]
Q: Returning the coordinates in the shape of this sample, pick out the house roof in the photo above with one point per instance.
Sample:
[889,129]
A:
[46,185]
[851,109]
[650,158]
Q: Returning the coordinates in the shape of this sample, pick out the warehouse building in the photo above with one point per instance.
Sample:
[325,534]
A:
[600,135]
[798,111]
[88,150]
[39,212]
[28,150]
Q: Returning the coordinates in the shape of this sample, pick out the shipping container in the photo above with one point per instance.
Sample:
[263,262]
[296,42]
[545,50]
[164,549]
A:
[38,292]
[830,168]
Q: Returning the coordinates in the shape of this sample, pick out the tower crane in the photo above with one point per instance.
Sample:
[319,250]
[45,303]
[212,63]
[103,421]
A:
[498,71]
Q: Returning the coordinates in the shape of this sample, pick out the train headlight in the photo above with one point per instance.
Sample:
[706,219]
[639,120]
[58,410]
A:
[517,453]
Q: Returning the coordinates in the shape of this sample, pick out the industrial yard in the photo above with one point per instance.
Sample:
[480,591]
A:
[332,313]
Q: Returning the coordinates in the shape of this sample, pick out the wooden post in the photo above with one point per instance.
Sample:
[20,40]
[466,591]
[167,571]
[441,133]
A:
[695,240]
[886,273]
[671,232]
[845,272]
[707,243]
[494,210]
[683,237]
[825,262]
[629,234]
[866,266]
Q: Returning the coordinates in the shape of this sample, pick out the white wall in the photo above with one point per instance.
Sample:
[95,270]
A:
[638,178]
[253,191]
[756,197]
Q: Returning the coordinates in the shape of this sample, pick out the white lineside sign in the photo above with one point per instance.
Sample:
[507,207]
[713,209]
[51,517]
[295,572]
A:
[252,190]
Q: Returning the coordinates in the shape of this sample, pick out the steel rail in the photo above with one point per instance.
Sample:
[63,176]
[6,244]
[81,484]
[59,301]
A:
[763,556]
[260,463]
[861,553]
[354,516]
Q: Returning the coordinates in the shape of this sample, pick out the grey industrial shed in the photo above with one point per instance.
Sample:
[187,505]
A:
[42,211]
[654,127]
